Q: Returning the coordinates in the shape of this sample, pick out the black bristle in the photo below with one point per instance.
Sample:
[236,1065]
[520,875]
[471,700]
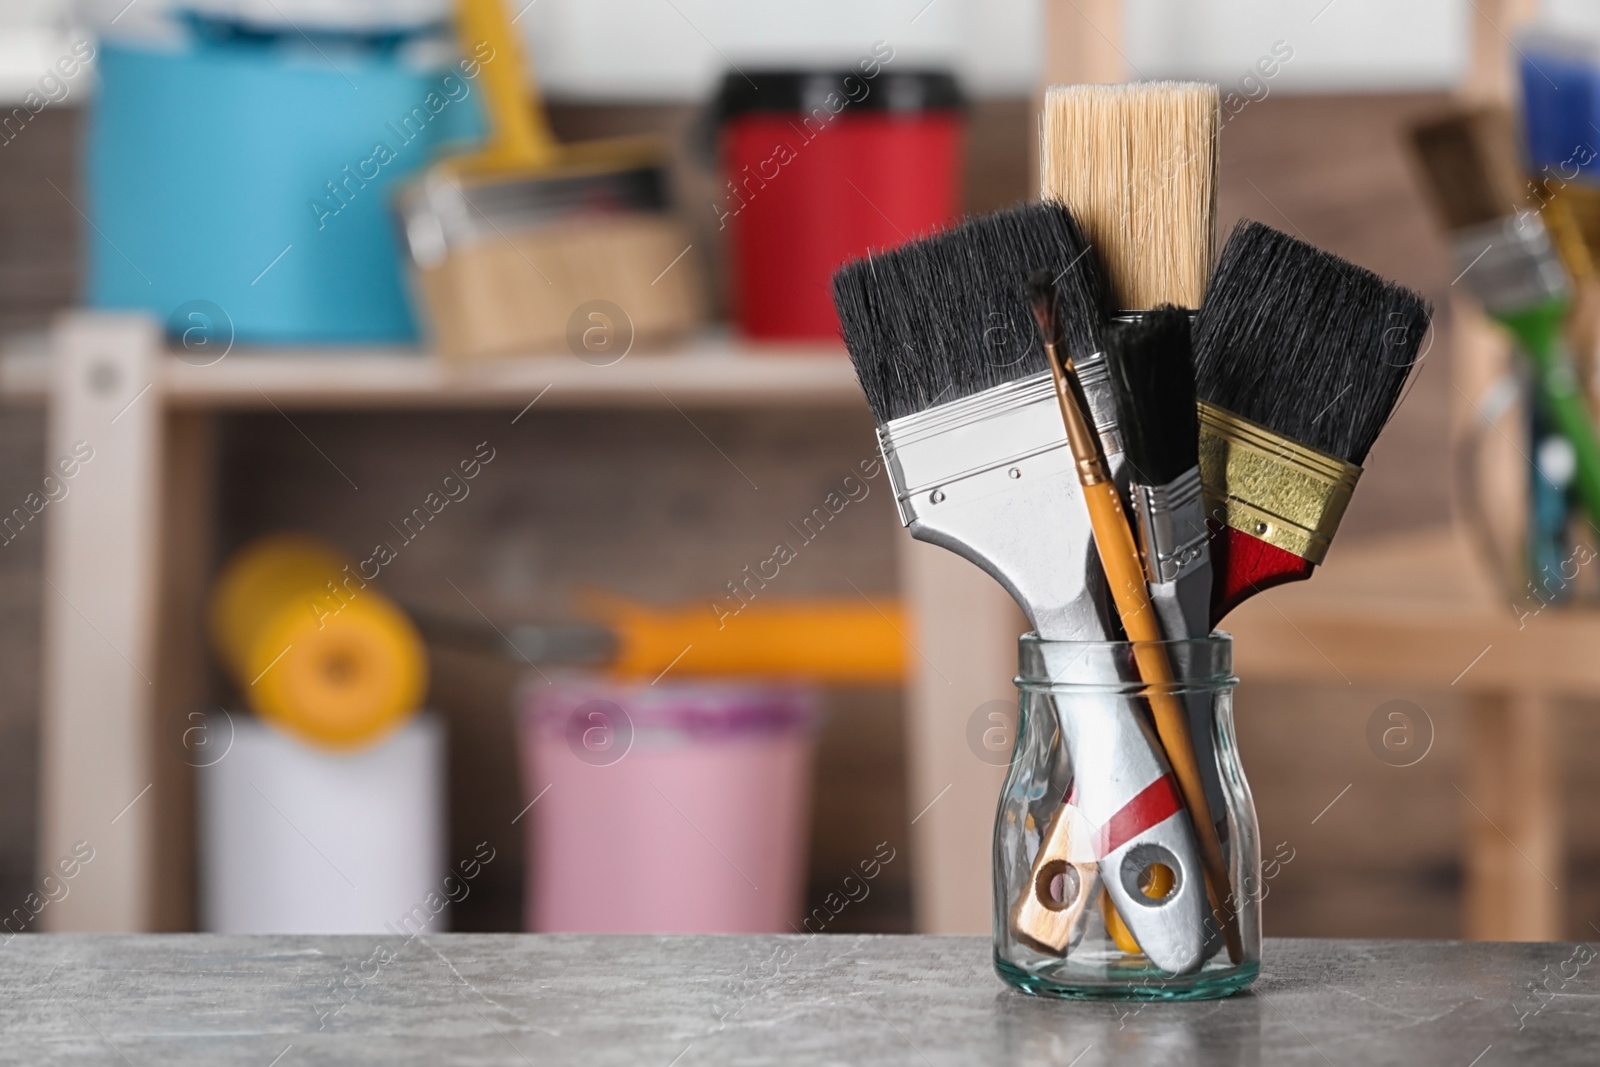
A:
[1304,343]
[1040,289]
[1151,361]
[946,316]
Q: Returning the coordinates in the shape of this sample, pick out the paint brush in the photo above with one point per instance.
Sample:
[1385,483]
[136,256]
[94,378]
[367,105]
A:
[942,341]
[528,242]
[1119,555]
[944,349]
[1300,359]
[1137,165]
[839,642]
[1509,263]
[1151,359]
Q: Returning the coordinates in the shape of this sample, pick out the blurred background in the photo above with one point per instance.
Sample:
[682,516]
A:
[314,418]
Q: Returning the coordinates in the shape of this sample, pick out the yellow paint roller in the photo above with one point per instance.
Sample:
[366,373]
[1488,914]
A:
[314,647]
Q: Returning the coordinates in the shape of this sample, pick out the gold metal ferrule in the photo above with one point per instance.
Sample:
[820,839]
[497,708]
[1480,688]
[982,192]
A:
[1270,487]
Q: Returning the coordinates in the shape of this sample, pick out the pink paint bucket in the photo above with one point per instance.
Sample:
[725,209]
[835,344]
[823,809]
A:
[672,808]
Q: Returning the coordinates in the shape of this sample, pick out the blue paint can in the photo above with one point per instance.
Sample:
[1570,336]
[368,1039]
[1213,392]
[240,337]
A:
[252,168]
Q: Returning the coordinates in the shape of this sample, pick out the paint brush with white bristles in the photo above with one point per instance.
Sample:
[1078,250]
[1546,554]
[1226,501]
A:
[1137,166]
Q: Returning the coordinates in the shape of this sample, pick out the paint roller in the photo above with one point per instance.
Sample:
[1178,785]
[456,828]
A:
[314,647]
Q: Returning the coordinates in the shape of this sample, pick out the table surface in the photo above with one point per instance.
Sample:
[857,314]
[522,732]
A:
[682,1001]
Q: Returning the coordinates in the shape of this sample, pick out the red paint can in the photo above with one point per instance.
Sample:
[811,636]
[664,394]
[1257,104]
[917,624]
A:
[821,167]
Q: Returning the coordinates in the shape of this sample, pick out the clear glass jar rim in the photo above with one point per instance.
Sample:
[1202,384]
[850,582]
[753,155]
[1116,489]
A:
[1111,666]
[1217,639]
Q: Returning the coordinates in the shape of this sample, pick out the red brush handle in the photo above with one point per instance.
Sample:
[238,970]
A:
[1242,566]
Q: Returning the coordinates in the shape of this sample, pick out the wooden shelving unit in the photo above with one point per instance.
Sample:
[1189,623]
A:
[123,602]
[1418,612]
[708,371]
[127,549]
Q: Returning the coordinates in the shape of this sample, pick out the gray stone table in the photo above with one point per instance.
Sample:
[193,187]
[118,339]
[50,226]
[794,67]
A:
[683,1001]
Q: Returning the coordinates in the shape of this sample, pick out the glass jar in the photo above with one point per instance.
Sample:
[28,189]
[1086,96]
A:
[1104,884]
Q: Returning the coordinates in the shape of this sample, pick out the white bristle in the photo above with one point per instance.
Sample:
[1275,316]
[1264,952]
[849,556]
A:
[1137,166]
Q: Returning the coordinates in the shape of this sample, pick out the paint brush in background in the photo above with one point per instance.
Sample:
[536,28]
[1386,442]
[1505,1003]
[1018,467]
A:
[509,243]
[1560,74]
[843,642]
[1560,77]
[941,337]
[1509,263]
[1300,359]
[1560,80]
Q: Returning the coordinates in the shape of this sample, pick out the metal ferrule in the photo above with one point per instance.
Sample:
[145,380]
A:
[443,210]
[1177,564]
[1172,526]
[991,478]
[1510,264]
[1176,552]
[966,449]
[1270,487]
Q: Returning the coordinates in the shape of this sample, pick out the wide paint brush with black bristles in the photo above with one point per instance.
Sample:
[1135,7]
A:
[956,374]
[1300,359]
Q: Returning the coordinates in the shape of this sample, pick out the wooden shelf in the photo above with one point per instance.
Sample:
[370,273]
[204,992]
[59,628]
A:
[1415,610]
[1418,614]
[127,553]
[712,370]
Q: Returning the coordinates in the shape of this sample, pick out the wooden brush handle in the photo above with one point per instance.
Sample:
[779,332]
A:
[1119,555]
[1245,565]
[519,132]
[836,641]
